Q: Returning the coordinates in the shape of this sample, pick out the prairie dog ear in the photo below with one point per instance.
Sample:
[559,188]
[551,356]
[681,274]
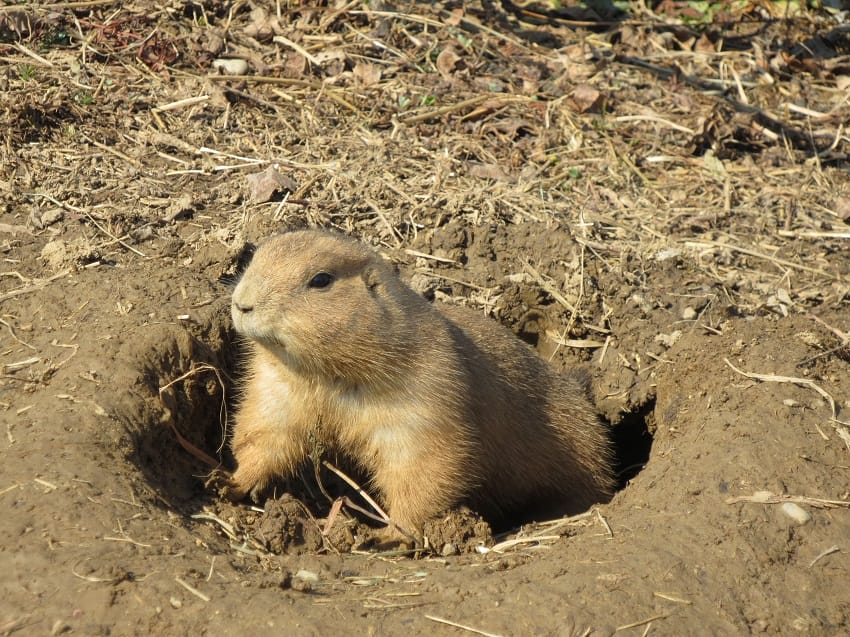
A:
[371,277]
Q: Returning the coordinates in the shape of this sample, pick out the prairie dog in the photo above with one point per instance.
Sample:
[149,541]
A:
[438,404]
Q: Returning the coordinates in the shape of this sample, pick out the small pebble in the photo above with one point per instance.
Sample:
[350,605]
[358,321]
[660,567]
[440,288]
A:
[175,603]
[303,581]
[230,66]
[449,549]
[307,576]
[689,314]
[796,512]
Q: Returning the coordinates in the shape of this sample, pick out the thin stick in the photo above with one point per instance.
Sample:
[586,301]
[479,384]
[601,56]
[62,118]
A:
[656,119]
[192,589]
[451,279]
[113,151]
[641,622]
[189,101]
[672,598]
[359,489]
[15,336]
[34,56]
[126,539]
[424,255]
[386,518]
[501,547]
[548,287]
[82,4]
[470,629]
[12,488]
[444,110]
[35,287]
[222,413]
[766,497]
[805,382]
[822,554]
[298,49]
[759,255]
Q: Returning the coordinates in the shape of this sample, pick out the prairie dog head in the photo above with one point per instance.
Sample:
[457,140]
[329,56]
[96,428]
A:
[325,305]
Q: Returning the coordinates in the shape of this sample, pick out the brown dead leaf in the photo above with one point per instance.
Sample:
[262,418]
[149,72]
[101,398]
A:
[295,65]
[487,171]
[366,74]
[182,206]
[586,99]
[263,26]
[842,208]
[455,17]
[332,60]
[705,45]
[447,62]
[265,184]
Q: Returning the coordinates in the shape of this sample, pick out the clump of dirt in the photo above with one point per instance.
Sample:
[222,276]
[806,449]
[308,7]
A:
[287,526]
[459,531]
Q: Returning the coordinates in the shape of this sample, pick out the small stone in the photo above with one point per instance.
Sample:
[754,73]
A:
[175,603]
[689,314]
[230,66]
[449,549]
[796,513]
[668,340]
[55,253]
[307,576]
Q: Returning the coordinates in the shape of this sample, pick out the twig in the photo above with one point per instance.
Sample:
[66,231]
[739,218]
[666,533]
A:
[469,629]
[416,253]
[798,138]
[805,382]
[759,255]
[35,287]
[822,554]
[15,336]
[298,49]
[386,518]
[656,119]
[192,589]
[222,412]
[189,101]
[766,497]
[81,4]
[444,110]
[34,56]
[548,287]
[672,598]
[501,547]
[225,526]
[642,622]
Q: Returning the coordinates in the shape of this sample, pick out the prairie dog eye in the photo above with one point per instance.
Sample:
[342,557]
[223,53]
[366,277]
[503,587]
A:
[321,280]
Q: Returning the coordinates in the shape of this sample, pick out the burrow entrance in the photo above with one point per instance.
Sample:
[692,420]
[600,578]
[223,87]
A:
[180,437]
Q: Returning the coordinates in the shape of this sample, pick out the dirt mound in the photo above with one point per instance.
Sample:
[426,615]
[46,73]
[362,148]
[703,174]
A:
[660,197]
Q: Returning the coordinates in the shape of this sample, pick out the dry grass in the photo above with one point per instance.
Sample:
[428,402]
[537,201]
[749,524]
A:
[390,123]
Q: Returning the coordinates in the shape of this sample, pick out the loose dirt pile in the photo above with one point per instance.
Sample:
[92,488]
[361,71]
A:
[658,195]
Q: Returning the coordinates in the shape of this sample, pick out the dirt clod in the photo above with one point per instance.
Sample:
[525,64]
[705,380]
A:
[459,531]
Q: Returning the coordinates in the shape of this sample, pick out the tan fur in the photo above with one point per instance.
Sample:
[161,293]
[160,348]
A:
[437,404]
